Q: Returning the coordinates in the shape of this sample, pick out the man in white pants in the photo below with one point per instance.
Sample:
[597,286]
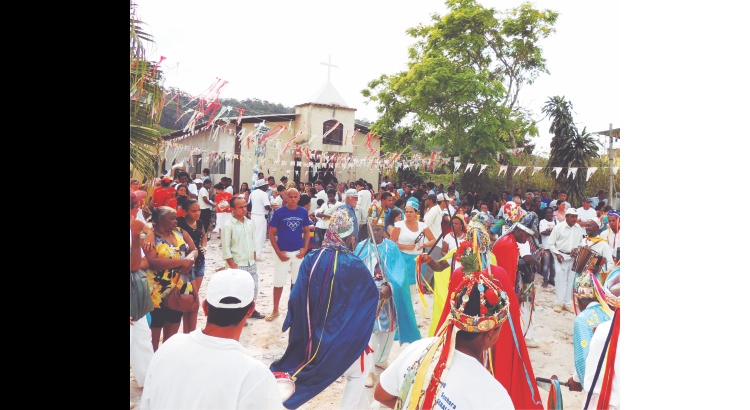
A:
[260,208]
[565,237]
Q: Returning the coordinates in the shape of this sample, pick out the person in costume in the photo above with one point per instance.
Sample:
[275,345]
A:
[395,310]
[330,315]
[444,268]
[593,313]
[447,371]
[600,246]
[602,379]
[510,362]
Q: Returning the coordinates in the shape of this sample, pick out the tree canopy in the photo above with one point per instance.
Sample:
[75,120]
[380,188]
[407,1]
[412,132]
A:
[465,73]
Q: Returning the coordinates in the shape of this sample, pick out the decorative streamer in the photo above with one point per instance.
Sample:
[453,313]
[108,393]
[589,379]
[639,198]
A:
[469,167]
[519,170]
[503,168]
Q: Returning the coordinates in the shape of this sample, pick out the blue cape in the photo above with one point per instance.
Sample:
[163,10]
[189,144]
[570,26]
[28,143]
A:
[397,273]
[342,306]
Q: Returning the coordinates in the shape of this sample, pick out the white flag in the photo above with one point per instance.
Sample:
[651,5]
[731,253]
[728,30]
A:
[572,171]
[456,165]
[590,172]
[519,169]
[503,168]
[535,170]
[481,169]
[557,170]
[614,170]
[469,167]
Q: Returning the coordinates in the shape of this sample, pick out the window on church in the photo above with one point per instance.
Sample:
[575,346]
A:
[336,137]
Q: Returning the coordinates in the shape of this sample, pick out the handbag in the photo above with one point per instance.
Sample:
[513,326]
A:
[140,295]
[182,302]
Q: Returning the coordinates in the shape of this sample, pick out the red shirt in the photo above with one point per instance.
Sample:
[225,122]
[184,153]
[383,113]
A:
[173,204]
[225,196]
[162,195]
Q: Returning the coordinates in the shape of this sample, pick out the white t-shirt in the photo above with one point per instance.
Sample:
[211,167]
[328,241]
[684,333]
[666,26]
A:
[543,225]
[318,195]
[434,220]
[408,237]
[204,192]
[197,371]
[193,189]
[229,189]
[586,215]
[259,200]
[363,204]
[468,384]
[449,239]
[327,208]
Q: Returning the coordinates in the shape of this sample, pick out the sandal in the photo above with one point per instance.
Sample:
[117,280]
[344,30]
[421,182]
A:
[272,317]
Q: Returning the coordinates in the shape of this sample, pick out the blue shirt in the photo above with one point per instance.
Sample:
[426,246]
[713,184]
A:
[289,226]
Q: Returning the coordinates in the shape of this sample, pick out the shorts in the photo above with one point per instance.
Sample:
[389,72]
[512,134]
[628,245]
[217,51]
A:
[199,270]
[282,268]
[162,315]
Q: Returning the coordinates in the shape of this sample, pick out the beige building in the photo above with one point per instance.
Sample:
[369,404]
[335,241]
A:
[320,140]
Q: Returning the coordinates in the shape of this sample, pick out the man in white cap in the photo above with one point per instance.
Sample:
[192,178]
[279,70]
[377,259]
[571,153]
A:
[564,238]
[260,206]
[351,197]
[209,368]
[586,212]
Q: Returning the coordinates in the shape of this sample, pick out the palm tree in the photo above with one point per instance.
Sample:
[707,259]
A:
[146,102]
[569,147]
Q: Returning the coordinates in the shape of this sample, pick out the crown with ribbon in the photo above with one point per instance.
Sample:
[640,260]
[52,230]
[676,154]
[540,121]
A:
[375,215]
[493,304]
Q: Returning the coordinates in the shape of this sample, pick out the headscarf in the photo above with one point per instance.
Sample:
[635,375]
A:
[412,202]
[615,213]
[340,225]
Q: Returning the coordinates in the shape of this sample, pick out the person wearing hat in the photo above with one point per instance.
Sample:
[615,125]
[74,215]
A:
[447,370]
[600,246]
[260,206]
[386,264]
[363,204]
[592,314]
[586,212]
[612,234]
[511,364]
[209,367]
[330,317]
[563,241]
[350,206]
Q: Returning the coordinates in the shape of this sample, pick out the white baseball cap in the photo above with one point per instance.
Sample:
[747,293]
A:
[571,211]
[442,197]
[230,282]
[261,182]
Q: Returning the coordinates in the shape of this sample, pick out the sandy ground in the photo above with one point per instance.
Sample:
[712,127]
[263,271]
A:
[553,331]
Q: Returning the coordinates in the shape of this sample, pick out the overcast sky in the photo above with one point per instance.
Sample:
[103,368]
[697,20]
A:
[273,50]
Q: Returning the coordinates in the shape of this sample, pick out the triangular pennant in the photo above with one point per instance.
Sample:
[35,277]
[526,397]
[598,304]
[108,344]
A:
[614,170]
[519,169]
[590,172]
[481,169]
[503,168]
[535,170]
[572,171]
[456,165]
[469,167]
[557,170]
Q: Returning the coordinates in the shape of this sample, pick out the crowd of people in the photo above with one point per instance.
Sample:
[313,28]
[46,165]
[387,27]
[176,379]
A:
[354,256]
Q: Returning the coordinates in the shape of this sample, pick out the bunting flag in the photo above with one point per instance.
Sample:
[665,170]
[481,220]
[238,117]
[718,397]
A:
[535,170]
[614,170]
[557,170]
[456,165]
[590,172]
[289,143]
[519,169]
[481,169]
[393,158]
[469,167]
[503,168]
[572,171]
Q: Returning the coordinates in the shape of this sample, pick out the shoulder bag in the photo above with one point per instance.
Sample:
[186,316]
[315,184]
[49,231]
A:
[140,295]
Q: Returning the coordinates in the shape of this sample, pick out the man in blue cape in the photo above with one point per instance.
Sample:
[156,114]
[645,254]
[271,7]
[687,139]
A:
[332,307]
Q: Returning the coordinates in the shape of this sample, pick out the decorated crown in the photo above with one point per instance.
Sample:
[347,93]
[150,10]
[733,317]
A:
[512,212]
[493,304]
[375,215]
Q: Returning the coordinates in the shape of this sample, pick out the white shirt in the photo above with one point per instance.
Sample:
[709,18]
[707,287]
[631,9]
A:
[229,189]
[193,189]
[586,215]
[596,346]
[204,193]
[406,236]
[613,239]
[524,249]
[259,200]
[543,225]
[197,371]
[434,220]
[451,241]
[363,203]
[318,195]
[564,238]
[327,208]
[468,384]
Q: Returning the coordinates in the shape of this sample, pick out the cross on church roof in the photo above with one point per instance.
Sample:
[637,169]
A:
[329,66]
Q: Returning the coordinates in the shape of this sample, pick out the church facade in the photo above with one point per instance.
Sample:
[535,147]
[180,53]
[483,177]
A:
[321,140]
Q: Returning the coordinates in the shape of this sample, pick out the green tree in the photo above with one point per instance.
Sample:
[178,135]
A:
[146,100]
[569,147]
[461,89]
